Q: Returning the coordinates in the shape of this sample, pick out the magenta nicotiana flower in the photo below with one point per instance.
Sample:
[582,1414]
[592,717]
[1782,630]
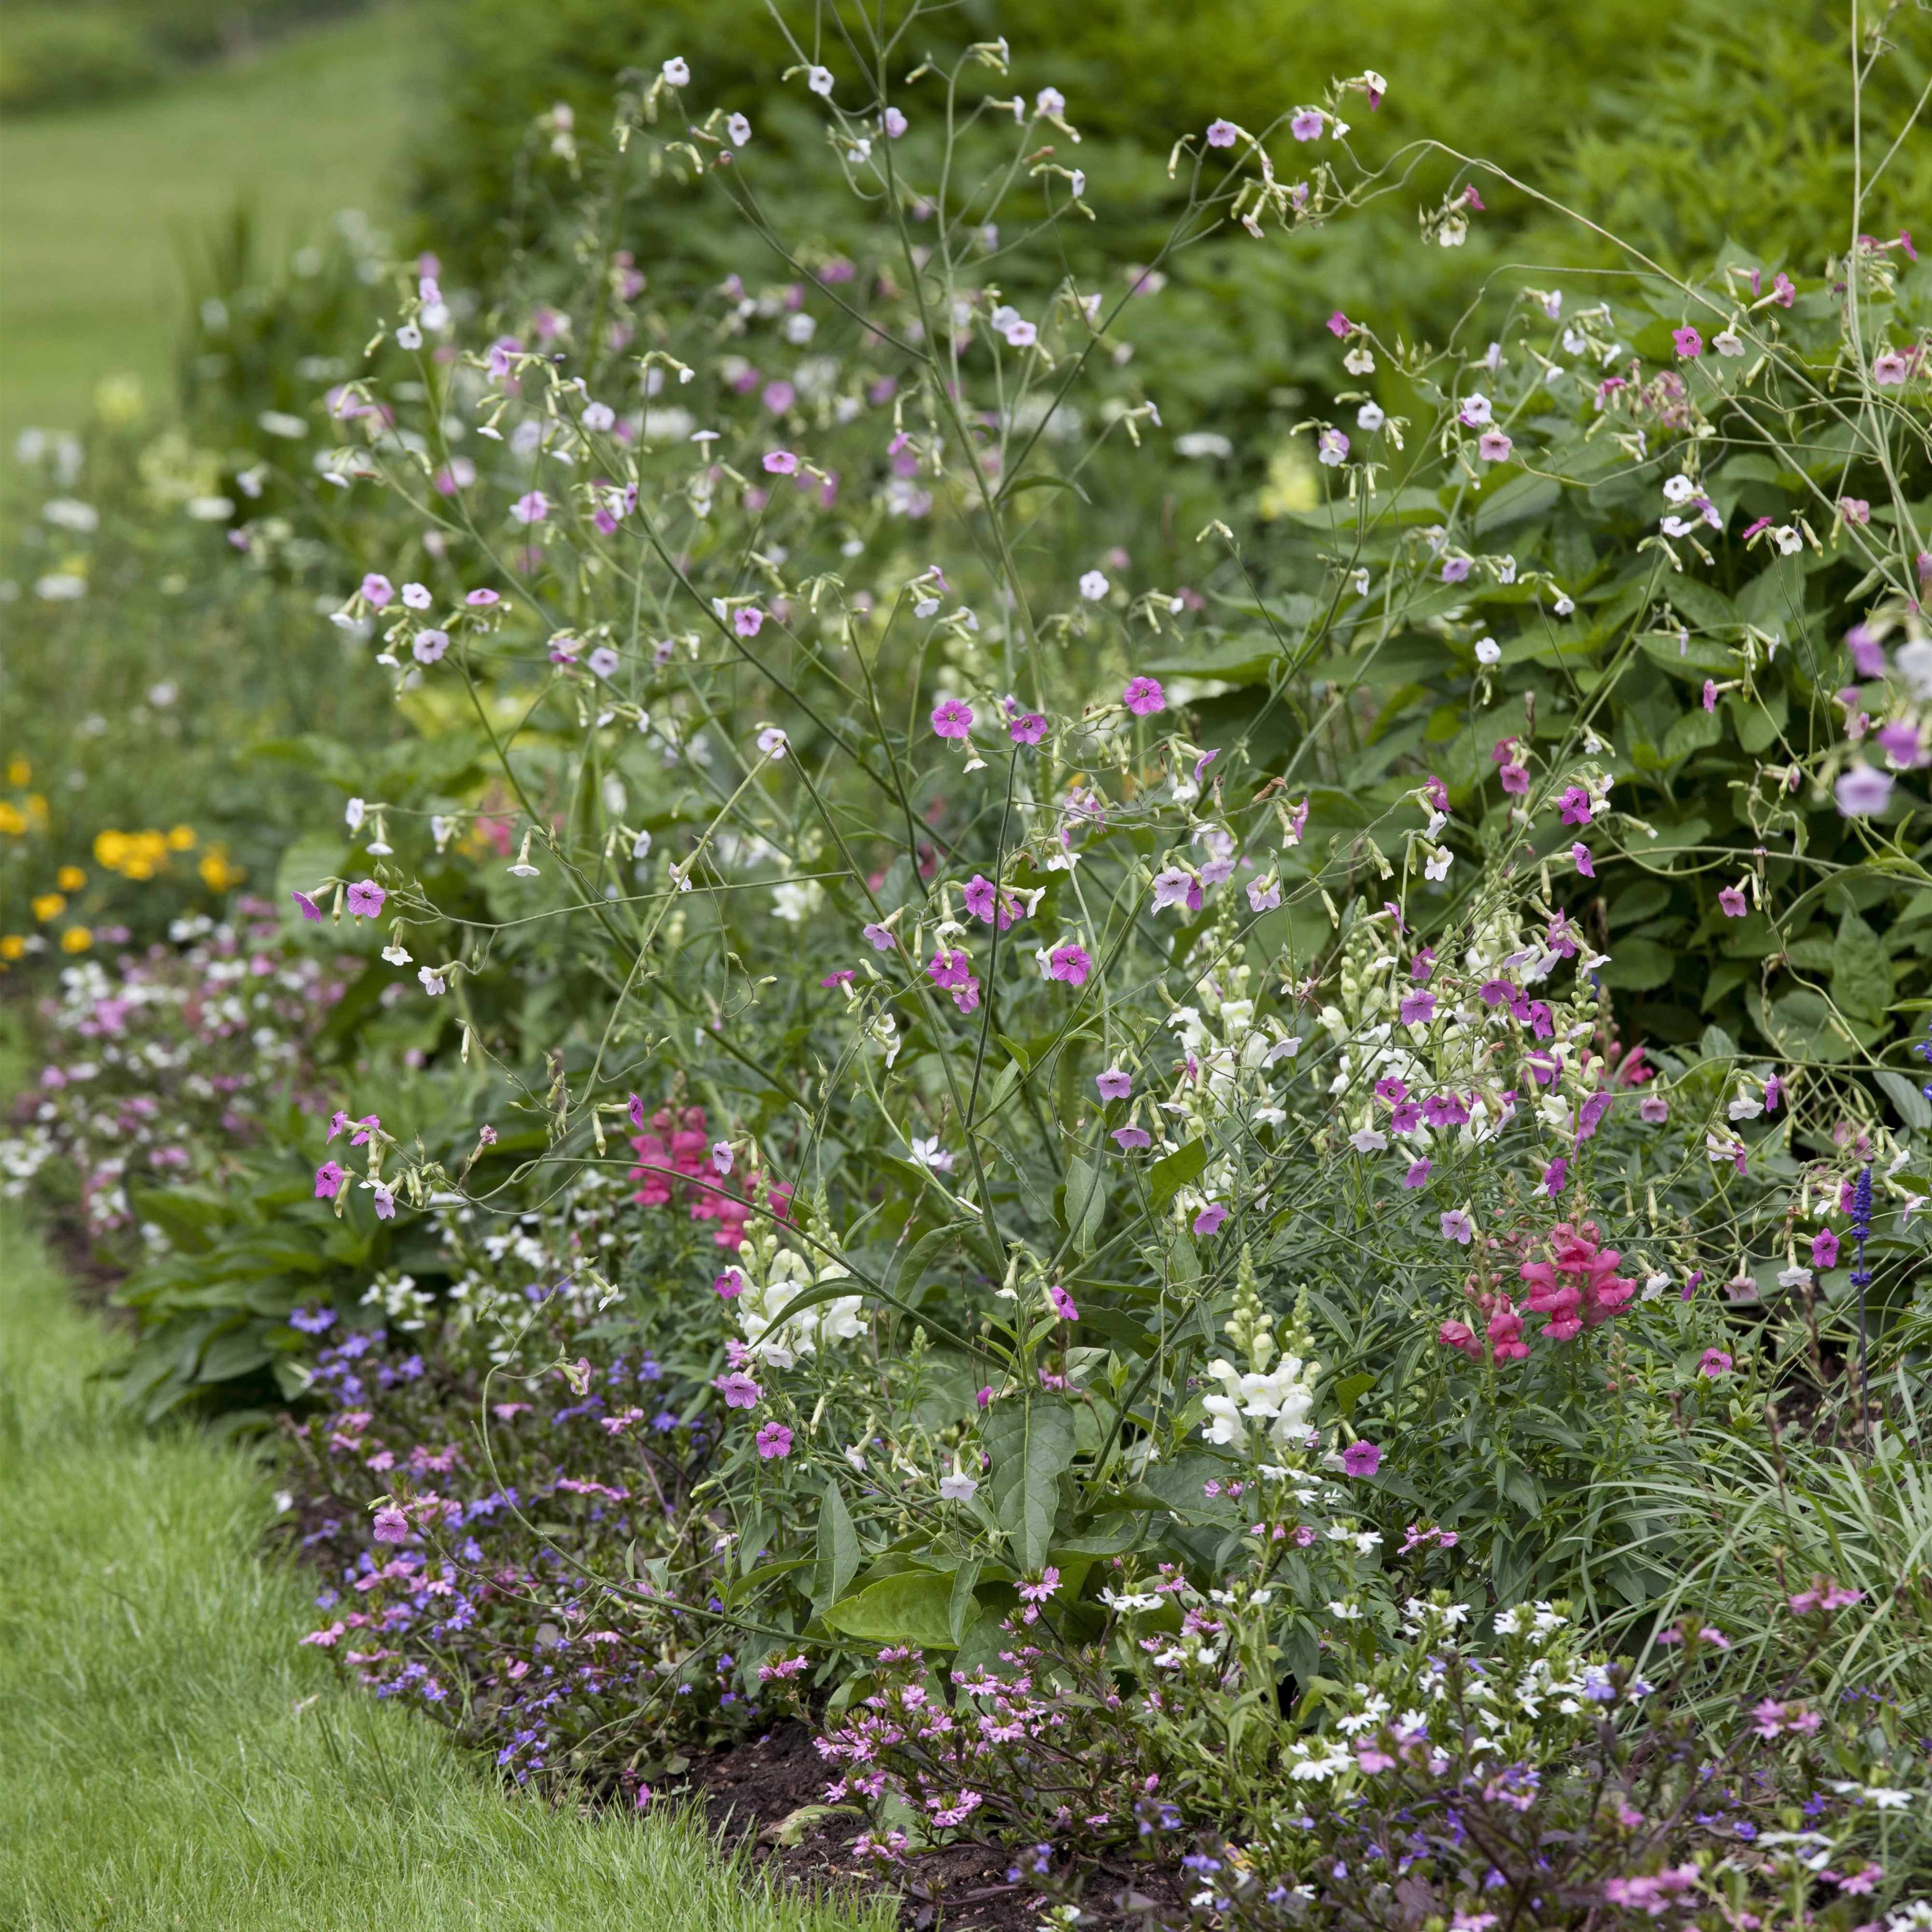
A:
[1115,1084]
[1027,729]
[1418,1009]
[1063,1303]
[747,621]
[636,1111]
[1573,807]
[979,897]
[1556,1177]
[731,1283]
[953,719]
[774,1440]
[1208,1221]
[1361,1459]
[1580,856]
[1130,1140]
[310,910]
[1144,697]
[365,899]
[1417,1175]
[328,1179]
[1824,1248]
[1688,342]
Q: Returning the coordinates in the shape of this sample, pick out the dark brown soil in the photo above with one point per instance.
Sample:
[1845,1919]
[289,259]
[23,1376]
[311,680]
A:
[750,1789]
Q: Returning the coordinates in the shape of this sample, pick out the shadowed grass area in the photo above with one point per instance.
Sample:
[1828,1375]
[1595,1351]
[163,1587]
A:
[174,1759]
[95,201]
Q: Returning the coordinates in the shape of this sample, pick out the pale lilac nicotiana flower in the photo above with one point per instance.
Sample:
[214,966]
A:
[416,596]
[1331,447]
[1264,895]
[781,463]
[1862,790]
[1114,1084]
[738,1389]
[391,1525]
[429,645]
[1306,123]
[377,591]
[1493,446]
[1132,1139]
[532,508]
[1208,1221]
[739,129]
[882,939]
[1731,902]
[1177,887]
[772,742]
[747,621]
[676,72]
[1221,133]
[603,662]
[1457,1226]
[721,1157]
[1476,412]
[896,124]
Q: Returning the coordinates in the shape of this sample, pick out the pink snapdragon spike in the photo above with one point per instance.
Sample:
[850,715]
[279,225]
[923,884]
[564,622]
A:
[1071,964]
[328,1179]
[774,1441]
[1063,1303]
[310,910]
[953,719]
[1208,1221]
[1144,697]
[1114,1085]
[1689,344]
[1362,1459]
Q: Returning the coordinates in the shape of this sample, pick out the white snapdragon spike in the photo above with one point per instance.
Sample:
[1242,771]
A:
[785,1275]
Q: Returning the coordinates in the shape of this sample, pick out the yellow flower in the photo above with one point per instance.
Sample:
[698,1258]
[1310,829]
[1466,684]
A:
[49,905]
[12,821]
[216,871]
[137,869]
[110,849]
[12,946]
[19,771]
[181,839]
[75,939]
[1291,485]
[70,878]
[36,808]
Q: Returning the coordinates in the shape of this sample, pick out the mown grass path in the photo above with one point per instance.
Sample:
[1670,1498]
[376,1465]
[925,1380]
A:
[174,1760]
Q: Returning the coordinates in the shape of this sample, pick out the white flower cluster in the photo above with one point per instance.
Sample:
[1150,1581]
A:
[786,1276]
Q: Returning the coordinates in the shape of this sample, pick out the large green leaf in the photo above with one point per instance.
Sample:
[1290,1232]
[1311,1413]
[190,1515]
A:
[1638,964]
[1173,1171]
[837,1561]
[1086,1203]
[1031,1442]
[1860,970]
[914,1607]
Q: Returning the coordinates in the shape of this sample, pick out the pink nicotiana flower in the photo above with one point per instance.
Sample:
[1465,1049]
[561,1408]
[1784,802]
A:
[1361,1459]
[309,909]
[1306,123]
[1070,963]
[328,1179]
[1580,856]
[1573,807]
[1063,1303]
[532,508]
[1731,902]
[953,719]
[1862,791]
[1114,1084]
[1027,729]
[1208,1221]
[482,599]
[391,1525]
[1418,1009]
[731,1283]
[1144,697]
[1689,344]
[365,899]
[429,645]
[738,1389]
[1132,1139]
[1417,1175]
[1339,324]
[377,591]
[1457,1227]
[782,463]
[1713,1363]
[1221,133]
[882,941]
[748,620]
[1824,1248]
[774,1440]
[1493,446]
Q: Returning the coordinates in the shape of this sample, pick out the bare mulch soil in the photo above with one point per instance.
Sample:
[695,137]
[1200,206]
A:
[772,1790]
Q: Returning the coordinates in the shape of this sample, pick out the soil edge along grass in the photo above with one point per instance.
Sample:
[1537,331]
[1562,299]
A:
[176,1759]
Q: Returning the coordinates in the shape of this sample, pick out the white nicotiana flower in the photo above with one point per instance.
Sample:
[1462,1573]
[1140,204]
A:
[1370,417]
[1488,651]
[819,79]
[958,1488]
[1093,586]
[397,954]
[739,129]
[433,981]
[675,71]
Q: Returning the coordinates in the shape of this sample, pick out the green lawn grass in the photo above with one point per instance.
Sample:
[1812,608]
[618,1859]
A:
[96,202]
[172,1757]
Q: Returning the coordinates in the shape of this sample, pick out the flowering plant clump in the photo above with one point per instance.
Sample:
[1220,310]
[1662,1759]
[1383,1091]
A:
[1066,1155]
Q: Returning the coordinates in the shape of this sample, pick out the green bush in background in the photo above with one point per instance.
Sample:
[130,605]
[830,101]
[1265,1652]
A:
[58,56]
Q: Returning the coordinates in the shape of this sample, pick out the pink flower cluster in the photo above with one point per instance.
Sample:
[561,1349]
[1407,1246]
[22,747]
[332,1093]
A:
[674,1156]
[1577,1288]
